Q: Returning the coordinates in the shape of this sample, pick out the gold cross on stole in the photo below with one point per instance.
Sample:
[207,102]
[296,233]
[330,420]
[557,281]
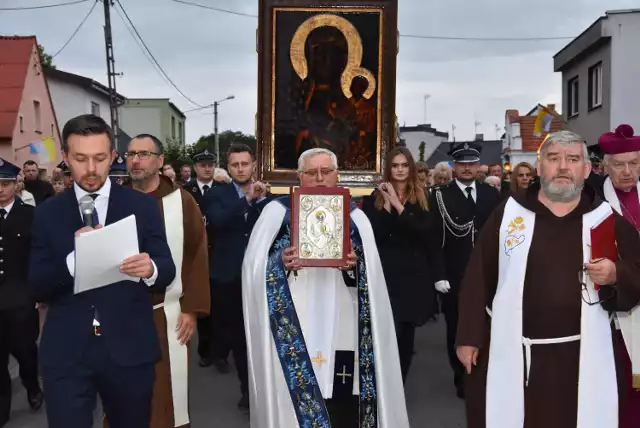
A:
[344,375]
[319,359]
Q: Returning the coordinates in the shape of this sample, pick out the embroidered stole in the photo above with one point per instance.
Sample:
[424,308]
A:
[178,357]
[291,347]
[629,322]
[597,389]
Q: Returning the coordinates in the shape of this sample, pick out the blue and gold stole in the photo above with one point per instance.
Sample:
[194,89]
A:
[304,390]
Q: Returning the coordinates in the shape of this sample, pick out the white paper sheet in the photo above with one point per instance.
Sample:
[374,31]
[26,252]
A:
[99,253]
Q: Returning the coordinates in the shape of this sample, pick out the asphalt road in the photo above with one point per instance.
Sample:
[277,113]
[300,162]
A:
[430,394]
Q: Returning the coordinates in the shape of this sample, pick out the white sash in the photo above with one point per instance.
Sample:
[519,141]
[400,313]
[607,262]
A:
[178,358]
[629,322]
[505,377]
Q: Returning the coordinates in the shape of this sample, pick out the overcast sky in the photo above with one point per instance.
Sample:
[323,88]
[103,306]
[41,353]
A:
[210,55]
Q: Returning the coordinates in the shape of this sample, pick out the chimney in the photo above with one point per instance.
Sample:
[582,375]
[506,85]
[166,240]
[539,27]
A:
[479,137]
[551,107]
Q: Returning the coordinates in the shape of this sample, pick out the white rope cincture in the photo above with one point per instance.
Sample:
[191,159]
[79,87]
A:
[457,230]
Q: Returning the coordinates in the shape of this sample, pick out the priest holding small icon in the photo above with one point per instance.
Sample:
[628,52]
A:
[318,337]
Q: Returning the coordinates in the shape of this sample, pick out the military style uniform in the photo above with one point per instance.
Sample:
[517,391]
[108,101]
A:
[460,212]
[208,327]
[18,316]
[118,172]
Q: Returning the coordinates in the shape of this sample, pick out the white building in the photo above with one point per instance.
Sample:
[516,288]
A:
[415,136]
[156,116]
[74,95]
[600,75]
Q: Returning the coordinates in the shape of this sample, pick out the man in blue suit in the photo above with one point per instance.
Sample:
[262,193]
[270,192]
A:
[101,341]
[232,211]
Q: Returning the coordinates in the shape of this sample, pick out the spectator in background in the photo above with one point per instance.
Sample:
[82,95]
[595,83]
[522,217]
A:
[169,172]
[221,176]
[493,181]
[422,170]
[58,184]
[483,172]
[39,188]
[524,173]
[185,175]
[495,170]
[23,194]
[442,174]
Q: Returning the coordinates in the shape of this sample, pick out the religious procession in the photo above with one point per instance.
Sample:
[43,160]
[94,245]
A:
[329,268]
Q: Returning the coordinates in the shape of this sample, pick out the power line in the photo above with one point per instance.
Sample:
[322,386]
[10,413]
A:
[76,30]
[126,15]
[46,6]
[408,36]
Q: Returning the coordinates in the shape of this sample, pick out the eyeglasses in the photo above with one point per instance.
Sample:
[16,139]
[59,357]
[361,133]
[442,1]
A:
[143,155]
[322,171]
[582,278]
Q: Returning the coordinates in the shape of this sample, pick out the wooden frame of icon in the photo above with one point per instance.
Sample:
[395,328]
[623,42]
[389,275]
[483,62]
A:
[327,72]
[320,225]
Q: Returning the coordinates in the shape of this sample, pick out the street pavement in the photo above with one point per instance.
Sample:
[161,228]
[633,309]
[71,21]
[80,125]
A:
[430,394]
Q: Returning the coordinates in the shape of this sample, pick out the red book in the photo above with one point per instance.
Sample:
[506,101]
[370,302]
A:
[603,241]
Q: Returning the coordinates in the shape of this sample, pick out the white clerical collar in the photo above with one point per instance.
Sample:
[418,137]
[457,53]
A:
[104,191]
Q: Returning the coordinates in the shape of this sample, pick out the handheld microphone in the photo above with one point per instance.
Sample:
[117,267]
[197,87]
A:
[87,207]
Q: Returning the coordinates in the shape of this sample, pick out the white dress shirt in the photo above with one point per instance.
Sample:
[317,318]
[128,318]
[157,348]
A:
[102,205]
[201,185]
[463,187]
[8,208]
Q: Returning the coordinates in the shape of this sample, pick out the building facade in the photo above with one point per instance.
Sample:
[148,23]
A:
[600,70]
[159,117]
[422,135]
[28,125]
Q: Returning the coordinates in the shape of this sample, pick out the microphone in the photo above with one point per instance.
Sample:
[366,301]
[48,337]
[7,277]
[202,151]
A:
[87,206]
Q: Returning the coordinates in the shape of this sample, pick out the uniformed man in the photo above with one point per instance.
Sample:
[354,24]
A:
[18,315]
[211,347]
[118,172]
[461,208]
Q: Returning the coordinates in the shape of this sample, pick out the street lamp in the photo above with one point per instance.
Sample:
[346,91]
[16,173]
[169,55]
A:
[215,127]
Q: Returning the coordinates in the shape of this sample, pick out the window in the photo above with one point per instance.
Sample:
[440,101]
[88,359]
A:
[180,132]
[37,114]
[595,86]
[573,96]
[21,123]
[173,128]
[95,108]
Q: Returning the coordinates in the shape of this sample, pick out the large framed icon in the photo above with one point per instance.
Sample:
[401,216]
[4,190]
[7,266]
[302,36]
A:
[326,79]
[320,225]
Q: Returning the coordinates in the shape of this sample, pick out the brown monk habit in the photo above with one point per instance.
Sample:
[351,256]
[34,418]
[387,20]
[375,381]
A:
[195,299]
[551,308]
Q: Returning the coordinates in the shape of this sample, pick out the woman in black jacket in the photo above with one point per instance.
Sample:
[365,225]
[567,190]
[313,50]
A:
[401,222]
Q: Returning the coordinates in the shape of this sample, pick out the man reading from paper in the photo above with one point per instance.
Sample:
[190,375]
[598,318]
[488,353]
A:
[175,310]
[534,333]
[621,162]
[318,338]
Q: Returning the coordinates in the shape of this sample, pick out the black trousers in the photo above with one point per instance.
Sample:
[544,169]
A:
[71,391]
[18,335]
[344,413]
[228,298]
[405,334]
[450,310]
[212,342]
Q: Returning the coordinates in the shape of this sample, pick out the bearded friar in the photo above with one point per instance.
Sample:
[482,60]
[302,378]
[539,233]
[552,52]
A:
[535,333]
[621,188]
[176,310]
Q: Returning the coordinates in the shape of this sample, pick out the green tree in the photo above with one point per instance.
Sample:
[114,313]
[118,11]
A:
[47,60]
[422,146]
[225,139]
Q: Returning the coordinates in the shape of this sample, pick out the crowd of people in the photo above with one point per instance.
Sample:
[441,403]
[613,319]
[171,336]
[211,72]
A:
[505,256]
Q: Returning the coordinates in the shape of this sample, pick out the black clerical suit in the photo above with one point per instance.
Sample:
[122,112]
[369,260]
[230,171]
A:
[18,315]
[408,255]
[211,344]
[455,208]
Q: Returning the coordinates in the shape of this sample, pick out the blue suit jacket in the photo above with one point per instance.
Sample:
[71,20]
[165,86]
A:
[231,230]
[124,308]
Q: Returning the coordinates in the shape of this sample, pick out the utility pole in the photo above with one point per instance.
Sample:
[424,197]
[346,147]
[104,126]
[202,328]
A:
[111,73]
[426,98]
[216,144]
[453,133]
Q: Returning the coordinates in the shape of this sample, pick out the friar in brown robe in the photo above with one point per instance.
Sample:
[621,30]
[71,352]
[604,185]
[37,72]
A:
[144,164]
[550,302]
